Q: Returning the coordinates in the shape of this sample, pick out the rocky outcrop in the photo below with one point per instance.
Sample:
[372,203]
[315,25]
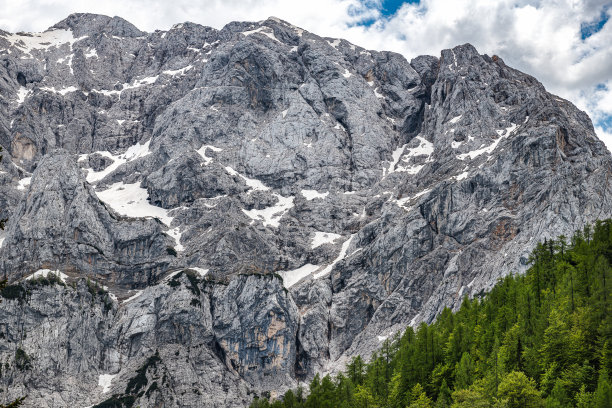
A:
[62,224]
[280,201]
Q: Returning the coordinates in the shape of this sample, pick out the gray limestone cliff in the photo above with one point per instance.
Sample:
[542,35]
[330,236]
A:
[197,216]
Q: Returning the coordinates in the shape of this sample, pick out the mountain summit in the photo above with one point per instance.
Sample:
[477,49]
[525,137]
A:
[195,215]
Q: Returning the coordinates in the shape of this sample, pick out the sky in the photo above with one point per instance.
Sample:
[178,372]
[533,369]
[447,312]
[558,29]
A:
[565,44]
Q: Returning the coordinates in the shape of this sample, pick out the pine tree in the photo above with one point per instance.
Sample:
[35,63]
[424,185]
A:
[464,373]
[419,399]
[444,396]
[518,391]
[473,397]
[364,398]
[603,395]
[584,399]
[289,400]
[355,370]
[558,396]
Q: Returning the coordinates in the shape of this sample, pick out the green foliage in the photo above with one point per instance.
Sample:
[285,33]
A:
[50,279]
[419,399]
[464,373]
[603,395]
[540,339]
[16,291]
[96,290]
[19,401]
[140,380]
[22,360]
[192,277]
[473,397]
[516,391]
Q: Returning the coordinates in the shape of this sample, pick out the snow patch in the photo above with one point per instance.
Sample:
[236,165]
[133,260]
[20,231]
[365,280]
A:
[322,238]
[290,278]
[340,257]
[105,381]
[45,273]
[180,71]
[134,296]
[201,271]
[202,152]
[92,53]
[24,183]
[312,194]
[134,152]
[271,215]
[455,119]
[137,83]
[334,43]
[131,200]
[21,95]
[42,41]
[396,155]
[455,145]
[253,183]
[425,148]
[67,59]
[261,31]
[402,201]
[462,176]
[347,74]
[63,91]
[176,234]
[503,133]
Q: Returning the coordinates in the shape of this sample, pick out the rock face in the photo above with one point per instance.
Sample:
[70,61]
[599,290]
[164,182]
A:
[234,210]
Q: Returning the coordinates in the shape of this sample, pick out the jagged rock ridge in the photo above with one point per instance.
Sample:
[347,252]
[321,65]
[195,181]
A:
[322,197]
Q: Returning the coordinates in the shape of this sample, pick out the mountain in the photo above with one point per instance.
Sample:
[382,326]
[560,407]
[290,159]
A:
[228,212]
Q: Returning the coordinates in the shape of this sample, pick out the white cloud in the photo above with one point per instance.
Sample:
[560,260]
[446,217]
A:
[540,37]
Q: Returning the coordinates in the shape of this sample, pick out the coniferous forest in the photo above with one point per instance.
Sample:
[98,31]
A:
[542,339]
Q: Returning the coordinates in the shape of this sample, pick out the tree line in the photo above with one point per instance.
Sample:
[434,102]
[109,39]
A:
[542,339]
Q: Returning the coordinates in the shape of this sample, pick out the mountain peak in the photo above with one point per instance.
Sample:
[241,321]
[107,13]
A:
[87,23]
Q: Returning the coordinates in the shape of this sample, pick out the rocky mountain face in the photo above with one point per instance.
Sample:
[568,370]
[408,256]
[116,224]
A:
[230,211]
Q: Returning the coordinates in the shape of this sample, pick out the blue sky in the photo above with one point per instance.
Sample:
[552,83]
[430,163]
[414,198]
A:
[587,29]
[387,9]
[566,44]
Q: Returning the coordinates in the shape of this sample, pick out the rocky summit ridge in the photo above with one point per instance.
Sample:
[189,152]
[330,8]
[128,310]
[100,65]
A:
[231,211]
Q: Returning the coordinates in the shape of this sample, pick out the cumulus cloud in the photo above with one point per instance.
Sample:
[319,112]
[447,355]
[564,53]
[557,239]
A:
[566,44]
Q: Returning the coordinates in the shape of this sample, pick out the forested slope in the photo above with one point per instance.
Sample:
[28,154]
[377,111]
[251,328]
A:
[539,339]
